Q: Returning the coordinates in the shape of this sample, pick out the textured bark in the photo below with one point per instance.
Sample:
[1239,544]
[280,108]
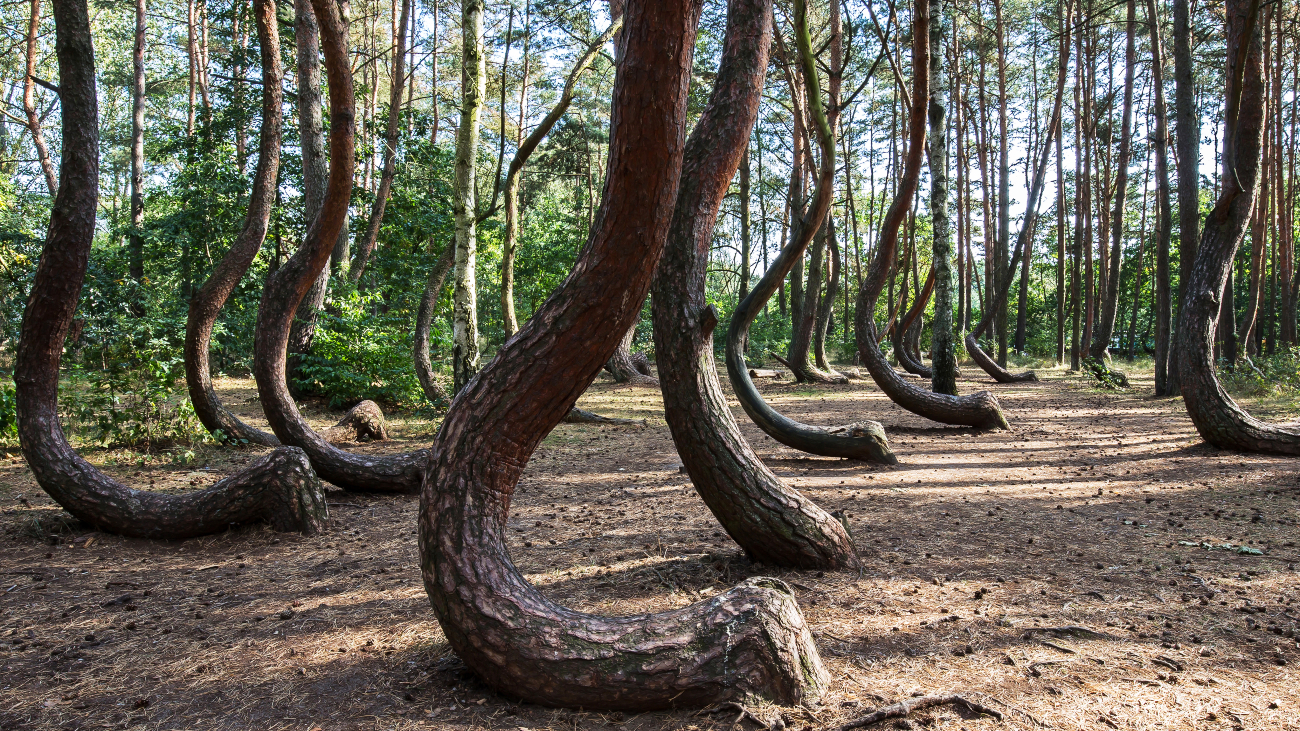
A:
[749,641]
[578,416]
[279,489]
[1216,416]
[473,83]
[943,347]
[827,306]
[625,366]
[424,320]
[773,523]
[515,172]
[1002,272]
[978,409]
[287,286]
[1188,120]
[29,102]
[207,302]
[363,423]
[397,85]
[1100,348]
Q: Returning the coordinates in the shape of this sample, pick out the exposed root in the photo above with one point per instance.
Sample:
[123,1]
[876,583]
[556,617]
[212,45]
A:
[1106,376]
[917,703]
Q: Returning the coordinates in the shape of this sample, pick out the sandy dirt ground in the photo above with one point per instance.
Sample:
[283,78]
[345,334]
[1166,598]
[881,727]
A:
[1098,510]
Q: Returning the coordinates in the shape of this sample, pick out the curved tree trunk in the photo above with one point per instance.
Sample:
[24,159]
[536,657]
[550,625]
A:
[279,489]
[860,440]
[424,320]
[827,305]
[749,641]
[1216,416]
[391,133]
[207,302]
[515,172]
[773,523]
[902,334]
[979,409]
[624,365]
[285,289]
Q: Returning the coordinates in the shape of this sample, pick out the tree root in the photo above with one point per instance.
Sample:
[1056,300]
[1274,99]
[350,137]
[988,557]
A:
[905,708]
[578,416]
[1106,376]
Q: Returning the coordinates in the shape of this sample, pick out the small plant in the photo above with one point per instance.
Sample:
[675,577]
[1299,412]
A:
[8,412]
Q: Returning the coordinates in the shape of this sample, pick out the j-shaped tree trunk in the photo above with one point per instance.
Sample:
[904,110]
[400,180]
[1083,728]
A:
[398,83]
[279,489]
[749,641]
[207,302]
[1216,416]
[979,409]
[628,368]
[285,289]
[827,306]
[902,332]
[861,440]
[999,298]
[424,321]
[773,523]
[515,173]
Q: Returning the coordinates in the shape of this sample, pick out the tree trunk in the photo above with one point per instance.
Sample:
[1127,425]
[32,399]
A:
[206,304]
[827,306]
[862,440]
[943,347]
[773,523]
[515,172]
[750,641]
[286,287]
[902,332]
[1216,416]
[1188,119]
[424,320]
[279,489]
[743,283]
[391,133]
[1002,273]
[473,81]
[979,409]
[29,102]
[135,246]
[626,367]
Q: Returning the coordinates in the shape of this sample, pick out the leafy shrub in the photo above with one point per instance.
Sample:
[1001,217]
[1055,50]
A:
[361,351]
[1272,375]
[8,412]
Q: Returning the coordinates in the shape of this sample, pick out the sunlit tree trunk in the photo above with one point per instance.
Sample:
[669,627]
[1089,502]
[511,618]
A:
[943,347]
[29,101]
[135,246]
[473,81]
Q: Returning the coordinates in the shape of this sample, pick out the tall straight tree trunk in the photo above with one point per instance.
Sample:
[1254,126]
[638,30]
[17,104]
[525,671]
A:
[1100,349]
[1217,417]
[943,347]
[1063,21]
[743,284]
[1001,273]
[278,489]
[473,81]
[747,642]
[1164,208]
[1187,118]
[135,247]
[29,102]
[1080,193]
[391,132]
[1141,263]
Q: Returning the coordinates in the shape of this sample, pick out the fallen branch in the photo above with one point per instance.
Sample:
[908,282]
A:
[1074,630]
[905,708]
[578,416]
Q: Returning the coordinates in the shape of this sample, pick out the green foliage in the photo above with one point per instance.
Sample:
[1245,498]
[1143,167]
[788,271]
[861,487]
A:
[8,412]
[1270,375]
[362,350]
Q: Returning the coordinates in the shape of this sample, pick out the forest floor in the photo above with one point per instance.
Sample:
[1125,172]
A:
[1099,509]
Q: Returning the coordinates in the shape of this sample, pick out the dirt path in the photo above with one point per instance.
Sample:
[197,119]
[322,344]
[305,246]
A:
[1098,510]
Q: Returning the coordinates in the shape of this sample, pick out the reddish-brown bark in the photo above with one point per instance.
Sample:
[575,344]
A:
[1216,416]
[747,641]
[979,409]
[286,288]
[773,523]
[207,302]
[279,489]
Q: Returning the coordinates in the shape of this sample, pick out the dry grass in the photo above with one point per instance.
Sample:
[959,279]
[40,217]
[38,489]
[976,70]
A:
[1074,518]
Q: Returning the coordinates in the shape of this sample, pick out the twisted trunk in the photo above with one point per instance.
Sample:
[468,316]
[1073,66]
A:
[207,302]
[773,523]
[978,409]
[279,489]
[750,641]
[286,288]
[1216,416]
[861,440]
